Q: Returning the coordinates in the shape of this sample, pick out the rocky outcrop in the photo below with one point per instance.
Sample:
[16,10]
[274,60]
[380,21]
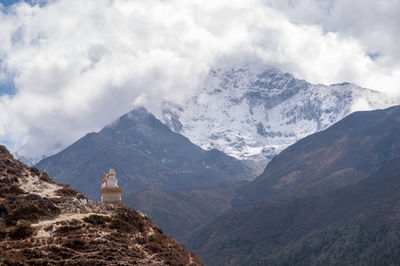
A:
[42,222]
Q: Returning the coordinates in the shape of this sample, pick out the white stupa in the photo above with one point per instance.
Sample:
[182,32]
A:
[110,191]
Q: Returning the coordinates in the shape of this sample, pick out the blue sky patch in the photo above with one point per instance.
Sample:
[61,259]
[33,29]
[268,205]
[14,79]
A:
[373,56]
[31,2]
[8,2]
[7,143]
[7,88]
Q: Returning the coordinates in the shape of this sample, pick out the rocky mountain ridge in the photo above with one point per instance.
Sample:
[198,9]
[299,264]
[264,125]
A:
[253,113]
[42,222]
[146,155]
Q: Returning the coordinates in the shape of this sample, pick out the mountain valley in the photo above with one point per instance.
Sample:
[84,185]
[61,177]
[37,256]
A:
[179,212]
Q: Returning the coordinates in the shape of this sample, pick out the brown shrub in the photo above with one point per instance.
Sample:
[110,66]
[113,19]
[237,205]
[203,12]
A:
[11,190]
[76,244]
[130,217]
[97,219]
[67,192]
[3,233]
[30,208]
[34,171]
[22,230]
[68,228]
[45,177]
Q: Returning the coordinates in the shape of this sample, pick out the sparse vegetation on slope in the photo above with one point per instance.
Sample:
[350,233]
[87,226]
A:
[45,223]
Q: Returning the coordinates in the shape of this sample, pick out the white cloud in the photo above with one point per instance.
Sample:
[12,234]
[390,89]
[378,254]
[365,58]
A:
[78,65]
[373,25]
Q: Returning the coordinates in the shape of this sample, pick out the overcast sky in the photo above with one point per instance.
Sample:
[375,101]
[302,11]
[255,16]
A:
[69,67]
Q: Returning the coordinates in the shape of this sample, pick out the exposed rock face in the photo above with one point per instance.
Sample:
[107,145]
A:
[42,222]
[253,112]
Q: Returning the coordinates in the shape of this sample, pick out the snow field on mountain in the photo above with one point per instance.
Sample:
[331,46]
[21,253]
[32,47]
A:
[251,112]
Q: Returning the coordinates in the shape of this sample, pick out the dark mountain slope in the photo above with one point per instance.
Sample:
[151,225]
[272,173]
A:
[146,154]
[330,199]
[44,223]
[355,225]
[339,156]
[179,212]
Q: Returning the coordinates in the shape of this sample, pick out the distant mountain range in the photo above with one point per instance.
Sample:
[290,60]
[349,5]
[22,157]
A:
[331,198]
[146,155]
[253,113]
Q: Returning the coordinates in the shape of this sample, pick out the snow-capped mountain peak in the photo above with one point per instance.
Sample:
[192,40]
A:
[256,113]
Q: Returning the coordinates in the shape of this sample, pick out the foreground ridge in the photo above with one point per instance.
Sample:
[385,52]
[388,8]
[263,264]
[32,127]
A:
[42,222]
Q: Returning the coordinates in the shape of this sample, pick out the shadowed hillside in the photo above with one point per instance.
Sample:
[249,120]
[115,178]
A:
[359,224]
[179,212]
[342,155]
[146,155]
[339,207]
